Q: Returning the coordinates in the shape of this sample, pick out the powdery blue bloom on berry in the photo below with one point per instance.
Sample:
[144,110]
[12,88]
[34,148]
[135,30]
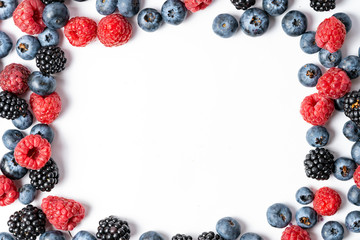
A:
[228,228]
[52,235]
[275,8]
[128,8]
[27,194]
[24,121]
[6,236]
[151,235]
[10,168]
[351,65]
[294,23]
[308,44]
[306,217]
[174,12]
[344,168]
[355,152]
[254,22]
[339,104]
[11,138]
[317,136]
[309,75]
[5,44]
[278,215]
[332,230]
[328,59]
[353,195]
[84,235]
[49,37]
[225,25]
[352,221]
[27,46]
[250,236]
[7,8]
[345,19]
[304,196]
[351,131]
[149,20]
[106,7]
[41,84]
[55,15]
[44,130]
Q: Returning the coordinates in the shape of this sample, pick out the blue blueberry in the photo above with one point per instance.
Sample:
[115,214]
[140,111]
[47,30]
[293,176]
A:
[23,122]
[275,8]
[49,37]
[225,25]
[6,236]
[352,221]
[27,46]
[304,196]
[355,152]
[351,65]
[128,8]
[11,138]
[309,75]
[351,131]
[84,235]
[55,15]
[306,217]
[41,84]
[308,44]
[332,231]
[5,44]
[254,22]
[151,235]
[345,19]
[250,236]
[106,7]
[10,168]
[278,215]
[44,130]
[149,19]
[317,136]
[7,8]
[228,228]
[27,194]
[294,23]
[174,12]
[339,104]
[52,235]
[328,59]
[344,168]
[354,195]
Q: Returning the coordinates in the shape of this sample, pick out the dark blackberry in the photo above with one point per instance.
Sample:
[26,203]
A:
[46,177]
[11,106]
[181,237]
[243,4]
[46,2]
[322,5]
[112,228]
[209,236]
[352,106]
[319,164]
[50,60]
[28,223]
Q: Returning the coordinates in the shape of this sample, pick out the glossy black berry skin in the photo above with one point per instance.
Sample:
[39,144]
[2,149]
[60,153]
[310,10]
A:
[209,236]
[181,237]
[113,228]
[322,5]
[11,106]
[46,177]
[352,106]
[243,4]
[319,164]
[46,2]
[50,60]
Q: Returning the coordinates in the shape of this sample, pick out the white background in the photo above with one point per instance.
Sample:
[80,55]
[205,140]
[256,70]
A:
[180,127]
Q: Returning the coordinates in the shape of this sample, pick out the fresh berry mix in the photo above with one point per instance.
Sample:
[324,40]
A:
[114,30]
[306,217]
[332,230]
[181,237]
[334,84]
[330,34]
[196,5]
[308,44]
[11,106]
[41,84]
[27,46]
[128,8]
[351,65]
[28,16]
[228,228]
[13,78]
[254,22]
[328,59]
[317,136]
[80,31]
[278,215]
[295,233]
[149,19]
[294,23]
[344,168]
[326,201]
[209,236]
[173,12]
[352,106]
[319,164]
[243,4]
[46,109]
[309,75]
[225,25]
[345,19]
[316,109]
[50,60]
[113,228]
[10,168]
[44,130]
[46,177]
[5,44]
[55,15]
[8,191]
[322,5]
[304,196]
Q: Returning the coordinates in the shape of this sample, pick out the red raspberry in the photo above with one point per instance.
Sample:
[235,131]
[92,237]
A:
[334,84]
[114,30]
[14,78]
[32,152]
[8,191]
[196,5]
[330,34]
[316,109]
[326,201]
[46,109]
[28,16]
[64,214]
[80,31]
[356,176]
[295,233]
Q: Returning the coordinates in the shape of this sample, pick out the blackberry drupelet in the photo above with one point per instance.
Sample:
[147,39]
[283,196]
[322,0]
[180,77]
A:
[322,5]
[181,237]
[11,106]
[46,2]
[113,228]
[46,177]
[28,223]
[209,236]
[50,60]
[352,106]
[319,164]
[243,4]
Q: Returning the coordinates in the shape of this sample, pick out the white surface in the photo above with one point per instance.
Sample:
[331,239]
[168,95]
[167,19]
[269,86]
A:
[179,127]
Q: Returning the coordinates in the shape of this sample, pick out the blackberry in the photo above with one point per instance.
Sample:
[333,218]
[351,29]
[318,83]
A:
[28,223]
[322,5]
[243,4]
[50,60]
[209,236]
[181,237]
[352,106]
[46,177]
[11,106]
[319,164]
[46,2]
[112,228]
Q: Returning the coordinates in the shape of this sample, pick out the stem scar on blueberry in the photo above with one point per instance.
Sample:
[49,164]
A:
[255,20]
[2,4]
[23,47]
[171,13]
[334,231]
[275,2]
[319,140]
[305,221]
[296,22]
[283,217]
[48,38]
[231,223]
[310,73]
[149,17]
[344,171]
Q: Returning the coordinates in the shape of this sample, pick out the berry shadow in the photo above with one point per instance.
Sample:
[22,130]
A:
[57,146]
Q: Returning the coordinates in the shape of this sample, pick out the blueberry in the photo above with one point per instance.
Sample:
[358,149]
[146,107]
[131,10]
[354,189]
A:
[84,235]
[149,19]
[151,235]
[55,15]
[6,236]
[11,138]
[174,12]
[106,7]
[27,46]
[308,44]
[328,59]
[309,75]
[49,37]
[23,122]
[250,236]
[10,168]
[351,131]
[254,22]
[317,136]
[339,104]
[304,196]
[44,130]
[52,235]
[5,44]
[27,194]
[354,195]
[228,228]
[294,23]
[345,19]
[278,215]
[332,231]
[352,221]
[351,65]
[128,8]
[41,84]
[7,8]
[344,168]
[225,25]
[306,217]
[275,8]
[355,152]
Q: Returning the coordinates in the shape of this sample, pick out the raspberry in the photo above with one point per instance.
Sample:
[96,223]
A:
[295,233]
[196,5]
[356,176]
[330,34]
[32,152]
[64,214]
[114,30]
[316,109]
[14,78]
[80,31]
[334,84]
[327,201]
[28,16]
[46,109]
[8,191]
